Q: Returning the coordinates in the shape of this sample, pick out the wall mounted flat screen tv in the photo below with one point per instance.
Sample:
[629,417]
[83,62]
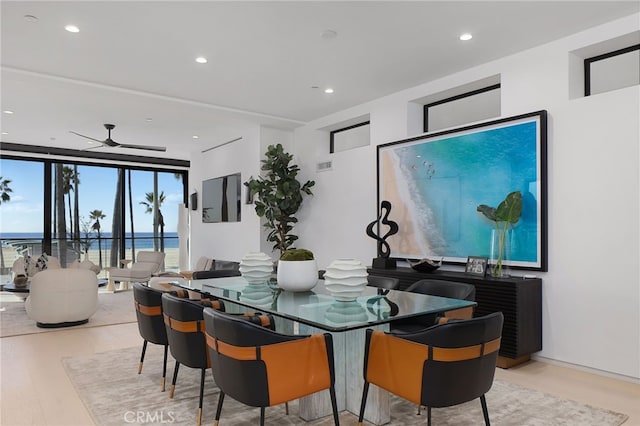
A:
[435,183]
[221,198]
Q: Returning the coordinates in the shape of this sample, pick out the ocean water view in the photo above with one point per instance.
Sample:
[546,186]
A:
[143,240]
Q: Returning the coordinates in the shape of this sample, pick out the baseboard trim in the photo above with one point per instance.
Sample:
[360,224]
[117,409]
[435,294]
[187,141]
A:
[616,376]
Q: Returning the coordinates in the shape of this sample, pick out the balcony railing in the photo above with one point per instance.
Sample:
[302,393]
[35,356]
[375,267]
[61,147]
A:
[99,251]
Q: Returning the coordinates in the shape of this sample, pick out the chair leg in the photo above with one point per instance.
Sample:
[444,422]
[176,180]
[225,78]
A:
[202,374]
[219,409]
[419,409]
[365,391]
[164,366]
[334,405]
[144,350]
[485,411]
[428,416]
[261,416]
[286,408]
[173,382]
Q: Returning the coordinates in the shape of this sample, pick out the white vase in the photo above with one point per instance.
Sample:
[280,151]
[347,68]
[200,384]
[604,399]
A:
[345,279]
[297,275]
[256,267]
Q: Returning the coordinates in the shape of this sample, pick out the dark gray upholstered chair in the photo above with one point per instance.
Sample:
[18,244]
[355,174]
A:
[184,324]
[447,364]
[253,365]
[219,269]
[442,288]
[148,304]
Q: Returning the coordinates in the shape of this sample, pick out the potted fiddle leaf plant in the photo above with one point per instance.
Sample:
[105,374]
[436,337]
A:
[504,217]
[279,196]
[297,270]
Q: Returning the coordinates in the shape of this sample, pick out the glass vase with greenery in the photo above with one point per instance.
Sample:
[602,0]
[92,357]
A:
[505,216]
[279,196]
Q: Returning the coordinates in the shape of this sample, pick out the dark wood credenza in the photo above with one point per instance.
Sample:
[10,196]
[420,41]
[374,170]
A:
[519,300]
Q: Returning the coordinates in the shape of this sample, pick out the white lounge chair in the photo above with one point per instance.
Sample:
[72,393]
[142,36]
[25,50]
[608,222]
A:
[147,264]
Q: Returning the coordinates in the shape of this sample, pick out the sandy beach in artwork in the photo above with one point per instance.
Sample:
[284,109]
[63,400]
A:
[409,239]
[10,254]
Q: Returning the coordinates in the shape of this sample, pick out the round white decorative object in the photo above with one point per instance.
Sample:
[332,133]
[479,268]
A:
[256,267]
[297,275]
[345,279]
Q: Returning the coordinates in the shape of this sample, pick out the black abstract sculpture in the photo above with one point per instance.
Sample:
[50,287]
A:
[384,250]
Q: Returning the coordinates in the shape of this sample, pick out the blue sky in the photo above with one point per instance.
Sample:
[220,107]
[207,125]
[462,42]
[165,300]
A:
[97,189]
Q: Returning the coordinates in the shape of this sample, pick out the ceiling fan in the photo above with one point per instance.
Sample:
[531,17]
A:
[113,144]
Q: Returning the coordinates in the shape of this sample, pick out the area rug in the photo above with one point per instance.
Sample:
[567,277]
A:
[113,308]
[115,394]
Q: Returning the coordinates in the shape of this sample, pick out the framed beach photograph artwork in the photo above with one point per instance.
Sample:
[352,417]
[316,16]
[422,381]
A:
[435,183]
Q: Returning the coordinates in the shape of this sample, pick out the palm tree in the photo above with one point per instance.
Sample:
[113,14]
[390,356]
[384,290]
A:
[133,235]
[5,197]
[5,190]
[97,215]
[70,181]
[61,228]
[76,203]
[116,231]
[151,206]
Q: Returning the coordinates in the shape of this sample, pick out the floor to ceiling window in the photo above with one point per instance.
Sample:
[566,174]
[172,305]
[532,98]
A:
[76,210]
[155,225]
[22,209]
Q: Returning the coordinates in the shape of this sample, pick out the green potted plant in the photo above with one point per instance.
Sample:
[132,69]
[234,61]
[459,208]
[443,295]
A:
[297,270]
[505,216]
[279,196]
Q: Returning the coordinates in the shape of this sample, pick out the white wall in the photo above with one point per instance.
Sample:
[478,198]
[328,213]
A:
[591,296]
[231,241]
[226,241]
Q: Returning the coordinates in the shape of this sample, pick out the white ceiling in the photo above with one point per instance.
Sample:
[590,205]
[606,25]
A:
[135,60]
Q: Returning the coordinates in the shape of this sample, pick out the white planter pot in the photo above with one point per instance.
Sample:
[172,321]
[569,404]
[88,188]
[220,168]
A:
[299,275]
[345,279]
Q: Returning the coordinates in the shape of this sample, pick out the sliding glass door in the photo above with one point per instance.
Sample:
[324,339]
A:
[21,210]
[79,210]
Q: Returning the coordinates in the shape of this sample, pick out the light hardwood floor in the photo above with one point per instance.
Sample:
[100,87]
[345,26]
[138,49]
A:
[36,391]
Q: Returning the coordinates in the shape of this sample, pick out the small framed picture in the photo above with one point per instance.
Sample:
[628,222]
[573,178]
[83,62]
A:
[476,266]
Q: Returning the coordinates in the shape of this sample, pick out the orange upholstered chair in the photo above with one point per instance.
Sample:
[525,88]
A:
[148,304]
[184,324]
[253,365]
[441,366]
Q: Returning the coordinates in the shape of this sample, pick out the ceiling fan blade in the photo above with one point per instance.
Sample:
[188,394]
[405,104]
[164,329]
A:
[148,148]
[87,137]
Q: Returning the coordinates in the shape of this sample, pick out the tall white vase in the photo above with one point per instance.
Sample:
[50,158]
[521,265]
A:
[345,279]
[256,267]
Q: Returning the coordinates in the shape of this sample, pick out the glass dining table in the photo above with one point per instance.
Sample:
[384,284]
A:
[317,311]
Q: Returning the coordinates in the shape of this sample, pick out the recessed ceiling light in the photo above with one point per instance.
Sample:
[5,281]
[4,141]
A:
[328,34]
[195,136]
[5,133]
[72,28]
[466,36]
[201,60]
[328,90]
[148,119]
[8,111]
[30,18]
